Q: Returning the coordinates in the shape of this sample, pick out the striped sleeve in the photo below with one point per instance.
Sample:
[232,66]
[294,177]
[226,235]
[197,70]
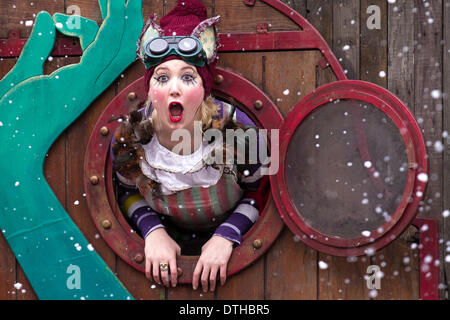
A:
[240,221]
[142,217]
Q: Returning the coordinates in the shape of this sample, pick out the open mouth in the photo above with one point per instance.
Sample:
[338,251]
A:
[175,111]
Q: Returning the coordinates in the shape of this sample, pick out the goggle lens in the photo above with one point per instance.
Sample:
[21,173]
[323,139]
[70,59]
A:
[158,46]
[187,45]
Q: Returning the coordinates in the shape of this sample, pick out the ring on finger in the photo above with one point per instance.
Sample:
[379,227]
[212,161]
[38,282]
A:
[163,266]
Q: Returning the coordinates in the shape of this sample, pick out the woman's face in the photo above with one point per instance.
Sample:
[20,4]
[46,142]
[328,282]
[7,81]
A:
[176,92]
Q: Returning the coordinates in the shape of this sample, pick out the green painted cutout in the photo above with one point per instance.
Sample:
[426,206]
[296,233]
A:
[34,110]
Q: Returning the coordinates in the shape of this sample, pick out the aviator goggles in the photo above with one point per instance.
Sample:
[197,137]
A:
[189,48]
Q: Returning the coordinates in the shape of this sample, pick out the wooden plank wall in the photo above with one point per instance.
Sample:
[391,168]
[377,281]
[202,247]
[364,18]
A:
[409,55]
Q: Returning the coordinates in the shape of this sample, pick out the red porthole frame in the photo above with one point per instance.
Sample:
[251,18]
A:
[417,163]
[100,197]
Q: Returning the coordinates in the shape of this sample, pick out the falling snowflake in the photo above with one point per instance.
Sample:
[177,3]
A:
[438,146]
[446,213]
[366,233]
[422,177]
[436,94]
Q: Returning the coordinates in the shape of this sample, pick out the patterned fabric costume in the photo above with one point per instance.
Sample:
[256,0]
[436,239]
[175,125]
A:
[221,204]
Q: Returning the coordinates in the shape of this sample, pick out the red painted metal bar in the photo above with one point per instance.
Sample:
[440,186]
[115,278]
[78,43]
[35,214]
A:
[235,42]
[429,254]
[12,47]
[270,41]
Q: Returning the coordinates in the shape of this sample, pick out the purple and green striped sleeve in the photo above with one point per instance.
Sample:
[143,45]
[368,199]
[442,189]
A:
[239,222]
[143,217]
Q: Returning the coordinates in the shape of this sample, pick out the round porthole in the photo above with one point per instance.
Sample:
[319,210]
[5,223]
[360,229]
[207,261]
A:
[353,168]
[98,179]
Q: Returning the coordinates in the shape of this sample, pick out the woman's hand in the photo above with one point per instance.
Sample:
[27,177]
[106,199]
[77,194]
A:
[214,258]
[161,248]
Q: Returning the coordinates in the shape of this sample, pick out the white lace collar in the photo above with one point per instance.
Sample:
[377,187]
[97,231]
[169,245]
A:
[159,157]
[179,172]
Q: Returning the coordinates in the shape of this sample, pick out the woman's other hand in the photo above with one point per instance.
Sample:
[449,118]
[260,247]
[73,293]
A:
[214,259]
[161,248]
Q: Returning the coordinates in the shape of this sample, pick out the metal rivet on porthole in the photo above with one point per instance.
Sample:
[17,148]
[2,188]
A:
[258,104]
[132,96]
[94,180]
[218,79]
[106,224]
[104,131]
[257,243]
[139,258]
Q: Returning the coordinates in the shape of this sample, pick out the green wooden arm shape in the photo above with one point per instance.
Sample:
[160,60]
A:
[34,110]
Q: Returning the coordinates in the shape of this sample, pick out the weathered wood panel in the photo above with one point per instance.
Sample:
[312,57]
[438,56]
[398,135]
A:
[346,38]
[288,83]
[19,15]
[7,271]
[400,73]
[407,47]
[298,5]
[428,102]
[374,44]
[400,260]
[400,270]
[291,269]
[237,17]
[446,143]
[320,15]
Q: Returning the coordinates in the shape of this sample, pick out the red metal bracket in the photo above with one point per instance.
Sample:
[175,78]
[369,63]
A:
[262,40]
[323,63]
[262,27]
[249,3]
[429,254]
[12,46]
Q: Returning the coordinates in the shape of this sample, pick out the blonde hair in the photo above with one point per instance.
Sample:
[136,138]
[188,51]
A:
[207,111]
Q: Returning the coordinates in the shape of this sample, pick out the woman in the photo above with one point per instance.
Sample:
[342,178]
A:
[178,181]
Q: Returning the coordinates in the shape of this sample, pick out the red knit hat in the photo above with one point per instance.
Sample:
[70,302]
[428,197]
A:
[187,16]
